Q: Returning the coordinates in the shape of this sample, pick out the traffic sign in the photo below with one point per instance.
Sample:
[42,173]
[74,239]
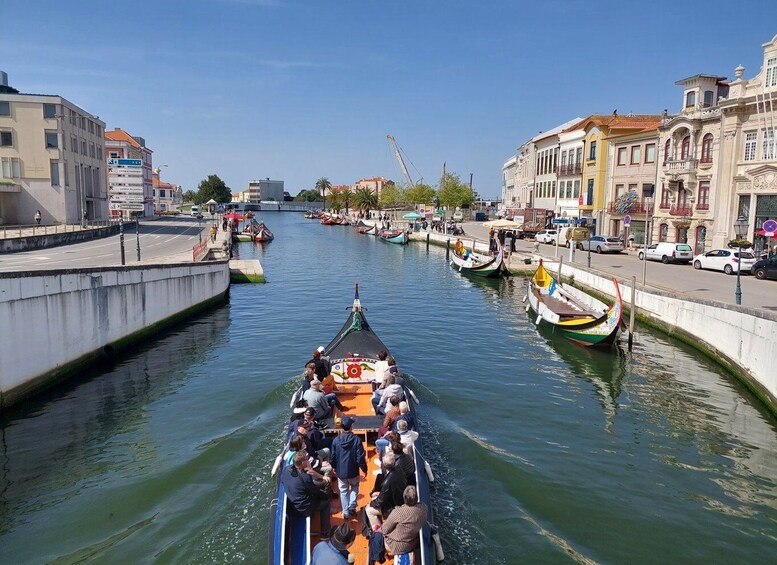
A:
[769,227]
[627,220]
[125,162]
[559,221]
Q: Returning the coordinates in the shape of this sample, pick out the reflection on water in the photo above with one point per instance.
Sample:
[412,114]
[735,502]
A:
[544,451]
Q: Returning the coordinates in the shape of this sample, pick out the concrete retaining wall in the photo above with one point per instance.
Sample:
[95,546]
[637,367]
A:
[31,242]
[53,323]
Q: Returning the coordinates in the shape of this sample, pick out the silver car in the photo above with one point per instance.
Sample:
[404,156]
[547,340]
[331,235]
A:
[601,244]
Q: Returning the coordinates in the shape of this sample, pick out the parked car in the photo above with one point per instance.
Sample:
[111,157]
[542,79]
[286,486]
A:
[667,252]
[601,244]
[725,260]
[546,236]
[194,211]
[570,236]
[765,268]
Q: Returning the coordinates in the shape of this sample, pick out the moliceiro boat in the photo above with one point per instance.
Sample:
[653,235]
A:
[353,357]
[574,313]
[394,236]
[467,261]
[263,233]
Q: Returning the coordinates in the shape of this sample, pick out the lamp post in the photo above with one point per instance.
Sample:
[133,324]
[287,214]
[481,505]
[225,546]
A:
[137,234]
[121,238]
[740,228]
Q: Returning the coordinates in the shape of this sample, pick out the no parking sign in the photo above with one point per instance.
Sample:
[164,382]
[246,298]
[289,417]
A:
[627,220]
[769,227]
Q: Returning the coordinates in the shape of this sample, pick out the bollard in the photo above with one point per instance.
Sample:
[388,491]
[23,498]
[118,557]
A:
[137,235]
[447,249]
[632,314]
[427,241]
[121,239]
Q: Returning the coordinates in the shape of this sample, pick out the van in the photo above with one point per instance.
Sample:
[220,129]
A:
[667,252]
[573,235]
[195,210]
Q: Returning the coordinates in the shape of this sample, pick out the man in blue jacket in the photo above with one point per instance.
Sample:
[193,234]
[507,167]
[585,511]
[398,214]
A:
[303,495]
[347,457]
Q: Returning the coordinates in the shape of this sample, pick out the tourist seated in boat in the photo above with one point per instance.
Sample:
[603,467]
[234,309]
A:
[320,402]
[335,550]
[394,370]
[406,415]
[403,461]
[322,366]
[458,247]
[392,414]
[316,436]
[401,529]
[379,403]
[297,414]
[297,445]
[319,458]
[382,443]
[308,375]
[381,368]
[348,457]
[389,489]
[305,498]
[406,436]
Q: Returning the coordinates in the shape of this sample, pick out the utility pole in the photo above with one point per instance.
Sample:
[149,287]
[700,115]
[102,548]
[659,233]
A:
[121,238]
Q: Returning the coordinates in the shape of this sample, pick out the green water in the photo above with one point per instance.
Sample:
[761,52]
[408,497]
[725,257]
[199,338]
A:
[544,452]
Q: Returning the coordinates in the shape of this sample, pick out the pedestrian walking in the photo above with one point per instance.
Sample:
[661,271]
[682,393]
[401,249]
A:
[347,457]
[38,216]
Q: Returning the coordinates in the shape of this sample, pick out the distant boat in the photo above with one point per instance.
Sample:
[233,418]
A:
[576,314]
[263,233]
[394,236]
[478,264]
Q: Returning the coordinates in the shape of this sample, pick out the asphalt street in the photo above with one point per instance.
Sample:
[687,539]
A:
[162,240]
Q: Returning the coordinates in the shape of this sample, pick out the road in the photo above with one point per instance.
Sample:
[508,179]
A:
[163,240]
[682,280]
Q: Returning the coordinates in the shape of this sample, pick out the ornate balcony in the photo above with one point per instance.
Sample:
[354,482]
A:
[681,210]
[703,207]
[634,207]
[678,166]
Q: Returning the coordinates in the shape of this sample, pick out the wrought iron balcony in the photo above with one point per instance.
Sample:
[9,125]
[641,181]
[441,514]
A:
[681,210]
[703,206]
[571,169]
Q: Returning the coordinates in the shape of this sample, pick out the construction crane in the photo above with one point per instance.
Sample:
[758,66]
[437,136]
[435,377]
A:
[400,160]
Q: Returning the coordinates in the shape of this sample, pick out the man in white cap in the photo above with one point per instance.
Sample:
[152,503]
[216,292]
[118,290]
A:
[325,359]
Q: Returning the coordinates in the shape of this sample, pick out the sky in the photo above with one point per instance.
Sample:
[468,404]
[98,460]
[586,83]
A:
[298,90]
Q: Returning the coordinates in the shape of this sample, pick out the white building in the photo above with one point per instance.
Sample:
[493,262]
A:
[510,197]
[51,159]
[265,190]
[570,168]
[547,152]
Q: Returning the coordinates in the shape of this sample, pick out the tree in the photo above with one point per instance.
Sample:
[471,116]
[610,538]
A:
[189,196]
[336,200]
[308,195]
[322,185]
[390,196]
[420,194]
[347,195]
[453,192]
[365,199]
[213,187]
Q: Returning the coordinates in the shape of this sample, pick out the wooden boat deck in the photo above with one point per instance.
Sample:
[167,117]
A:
[562,308]
[356,399]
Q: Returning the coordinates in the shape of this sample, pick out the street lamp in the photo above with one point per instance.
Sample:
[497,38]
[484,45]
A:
[740,228]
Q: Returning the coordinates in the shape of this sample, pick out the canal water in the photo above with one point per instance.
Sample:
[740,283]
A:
[544,452]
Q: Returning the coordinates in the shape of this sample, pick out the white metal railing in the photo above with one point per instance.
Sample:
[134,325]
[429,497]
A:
[31,230]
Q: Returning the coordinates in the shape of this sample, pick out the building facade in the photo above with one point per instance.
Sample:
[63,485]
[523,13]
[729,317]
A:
[509,193]
[168,197]
[546,157]
[264,190]
[375,184]
[130,185]
[748,153]
[570,169]
[51,159]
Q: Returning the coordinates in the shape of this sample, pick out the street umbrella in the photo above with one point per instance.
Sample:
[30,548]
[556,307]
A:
[412,216]
[502,224]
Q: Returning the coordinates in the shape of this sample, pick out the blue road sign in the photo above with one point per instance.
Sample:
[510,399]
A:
[627,220]
[770,226]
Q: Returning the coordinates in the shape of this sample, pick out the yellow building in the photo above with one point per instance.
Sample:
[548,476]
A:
[599,129]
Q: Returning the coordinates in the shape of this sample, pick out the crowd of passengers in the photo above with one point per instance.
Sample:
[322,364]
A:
[394,516]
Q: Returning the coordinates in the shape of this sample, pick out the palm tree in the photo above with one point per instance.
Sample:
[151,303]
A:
[322,185]
[347,195]
[365,199]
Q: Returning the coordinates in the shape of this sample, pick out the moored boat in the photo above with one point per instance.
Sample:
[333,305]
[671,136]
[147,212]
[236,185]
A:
[353,355]
[467,261]
[263,233]
[572,312]
[365,229]
[394,236]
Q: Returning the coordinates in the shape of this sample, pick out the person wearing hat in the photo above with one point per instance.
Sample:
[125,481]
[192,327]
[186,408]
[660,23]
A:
[335,550]
[304,496]
[347,456]
[325,359]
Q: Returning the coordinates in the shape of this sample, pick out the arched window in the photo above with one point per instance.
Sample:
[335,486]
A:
[663,231]
[685,152]
[701,235]
[667,147]
[706,149]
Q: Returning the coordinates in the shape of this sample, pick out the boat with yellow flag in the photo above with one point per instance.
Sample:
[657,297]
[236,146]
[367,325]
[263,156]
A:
[572,312]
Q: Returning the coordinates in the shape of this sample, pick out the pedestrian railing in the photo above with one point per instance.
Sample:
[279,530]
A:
[30,230]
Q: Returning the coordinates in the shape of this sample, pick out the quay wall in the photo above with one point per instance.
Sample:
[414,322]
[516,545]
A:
[55,323]
[741,339]
[44,241]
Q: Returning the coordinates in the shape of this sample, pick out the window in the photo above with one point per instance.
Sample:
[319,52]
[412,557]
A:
[91,126]
[590,196]
[685,151]
[667,148]
[83,147]
[750,140]
[706,149]
[664,197]
[12,168]
[5,108]
[6,139]
[73,120]
[621,156]
[579,155]
[771,72]
[618,190]
[54,173]
[650,153]
[563,159]
[99,130]
[636,154]
[82,122]
[99,151]
[663,231]
[576,193]
[703,201]
[767,151]
[592,151]
[91,150]
[49,110]
[708,98]
[633,188]
[553,189]
[690,99]
[52,140]
[114,155]
[74,144]
[161,194]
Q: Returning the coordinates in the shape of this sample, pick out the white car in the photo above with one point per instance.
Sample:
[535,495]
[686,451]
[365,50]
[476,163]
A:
[725,260]
[667,252]
[546,236]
